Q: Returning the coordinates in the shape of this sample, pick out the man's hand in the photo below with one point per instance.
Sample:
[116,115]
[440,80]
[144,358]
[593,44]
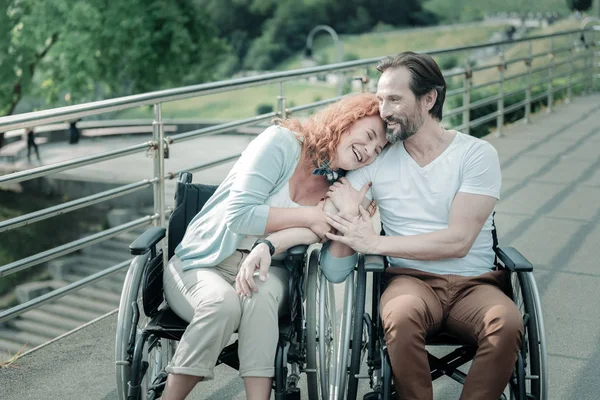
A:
[345,197]
[258,259]
[358,232]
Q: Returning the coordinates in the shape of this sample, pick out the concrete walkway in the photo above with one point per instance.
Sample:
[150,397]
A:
[550,211]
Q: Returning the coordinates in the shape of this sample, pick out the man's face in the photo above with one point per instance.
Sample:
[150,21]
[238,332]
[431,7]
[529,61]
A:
[398,106]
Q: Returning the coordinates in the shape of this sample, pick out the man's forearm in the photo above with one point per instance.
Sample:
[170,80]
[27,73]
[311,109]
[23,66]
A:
[425,247]
[291,237]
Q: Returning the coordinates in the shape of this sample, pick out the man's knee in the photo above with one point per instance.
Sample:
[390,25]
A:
[404,314]
[504,321]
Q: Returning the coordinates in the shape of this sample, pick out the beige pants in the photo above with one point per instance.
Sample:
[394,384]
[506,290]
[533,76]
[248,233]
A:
[206,298]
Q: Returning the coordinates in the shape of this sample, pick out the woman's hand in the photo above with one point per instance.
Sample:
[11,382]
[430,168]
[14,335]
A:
[258,259]
[318,223]
[345,197]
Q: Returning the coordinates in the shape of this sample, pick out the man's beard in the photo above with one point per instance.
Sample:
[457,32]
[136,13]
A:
[405,127]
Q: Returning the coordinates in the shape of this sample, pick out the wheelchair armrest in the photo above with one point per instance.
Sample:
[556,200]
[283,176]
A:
[513,260]
[146,240]
[374,263]
[297,250]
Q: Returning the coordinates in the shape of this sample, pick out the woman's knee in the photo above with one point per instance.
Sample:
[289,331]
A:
[223,304]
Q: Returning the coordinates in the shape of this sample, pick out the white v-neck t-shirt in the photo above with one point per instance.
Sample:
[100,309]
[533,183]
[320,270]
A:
[414,200]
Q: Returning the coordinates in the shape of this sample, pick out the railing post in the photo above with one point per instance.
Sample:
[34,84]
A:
[466,116]
[281,103]
[500,118]
[159,165]
[570,77]
[550,89]
[528,63]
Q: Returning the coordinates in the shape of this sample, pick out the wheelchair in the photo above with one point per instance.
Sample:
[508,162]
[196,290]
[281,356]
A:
[364,342]
[148,330]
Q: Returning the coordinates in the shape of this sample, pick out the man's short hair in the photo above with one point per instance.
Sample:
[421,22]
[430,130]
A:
[425,77]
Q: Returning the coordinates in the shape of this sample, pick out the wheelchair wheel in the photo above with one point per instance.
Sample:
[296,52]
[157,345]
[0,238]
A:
[358,345]
[128,323]
[529,380]
[153,353]
[319,330]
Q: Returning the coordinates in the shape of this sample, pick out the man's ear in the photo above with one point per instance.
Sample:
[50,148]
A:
[429,99]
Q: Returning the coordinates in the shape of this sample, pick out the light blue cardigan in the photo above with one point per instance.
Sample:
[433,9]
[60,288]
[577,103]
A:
[238,206]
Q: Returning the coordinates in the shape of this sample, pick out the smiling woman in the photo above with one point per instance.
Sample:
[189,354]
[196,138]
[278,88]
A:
[271,200]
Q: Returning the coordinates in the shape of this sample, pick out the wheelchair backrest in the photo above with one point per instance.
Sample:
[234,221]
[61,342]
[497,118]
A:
[189,200]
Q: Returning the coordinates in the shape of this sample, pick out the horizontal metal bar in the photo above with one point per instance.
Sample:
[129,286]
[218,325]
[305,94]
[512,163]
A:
[486,84]
[559,88]
[516,60]
[539,97]
[459,128]
[15,311]
[454,92]
[483,102]
[200,167]
[313,105]
[482,120]
[212,130]
[455,111]
[161,96]
[73,205]
[561,50]
[513,92]
[543,54]
[459,72]
[75,163]
[515,76]
[515,106]
[484,67]
[540,69]
[72,246]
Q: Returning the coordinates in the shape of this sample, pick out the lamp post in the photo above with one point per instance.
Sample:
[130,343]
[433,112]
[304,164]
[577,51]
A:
[338,45]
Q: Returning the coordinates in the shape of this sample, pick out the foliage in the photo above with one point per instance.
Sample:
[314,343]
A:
[90,49]
[262,33]
[454,11]
[579,5]
[264,109]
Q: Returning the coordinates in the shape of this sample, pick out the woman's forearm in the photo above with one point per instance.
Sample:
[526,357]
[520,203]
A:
[285,218]
[291,237]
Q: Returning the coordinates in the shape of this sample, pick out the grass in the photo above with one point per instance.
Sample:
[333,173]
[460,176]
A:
[380,44]
[12,358]
[244,103]
[237,104]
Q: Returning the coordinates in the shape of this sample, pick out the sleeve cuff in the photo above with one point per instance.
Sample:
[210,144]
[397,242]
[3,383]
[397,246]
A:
[336,269]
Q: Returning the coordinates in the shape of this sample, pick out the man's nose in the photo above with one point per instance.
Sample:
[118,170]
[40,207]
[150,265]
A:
[384,111]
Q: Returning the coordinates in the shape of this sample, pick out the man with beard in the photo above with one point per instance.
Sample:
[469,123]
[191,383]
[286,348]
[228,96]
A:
[436,190]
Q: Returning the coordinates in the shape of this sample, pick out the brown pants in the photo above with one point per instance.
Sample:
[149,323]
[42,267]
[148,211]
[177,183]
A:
[416,305]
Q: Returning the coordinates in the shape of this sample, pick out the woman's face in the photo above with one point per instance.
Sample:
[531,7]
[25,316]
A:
[361,144]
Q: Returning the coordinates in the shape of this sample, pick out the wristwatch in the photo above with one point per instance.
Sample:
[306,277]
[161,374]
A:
[267,242]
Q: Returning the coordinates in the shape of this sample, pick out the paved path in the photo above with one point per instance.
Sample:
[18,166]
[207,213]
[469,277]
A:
[550,211]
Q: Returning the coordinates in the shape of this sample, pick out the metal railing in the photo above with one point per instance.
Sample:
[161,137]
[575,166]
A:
[571,66]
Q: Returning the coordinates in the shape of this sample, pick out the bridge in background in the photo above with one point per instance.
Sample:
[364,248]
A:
[550,209]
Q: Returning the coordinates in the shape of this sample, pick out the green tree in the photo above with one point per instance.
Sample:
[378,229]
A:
[98,48]
[579,5]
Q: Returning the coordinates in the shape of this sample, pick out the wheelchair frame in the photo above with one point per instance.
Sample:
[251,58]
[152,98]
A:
[148,331]
[529,378]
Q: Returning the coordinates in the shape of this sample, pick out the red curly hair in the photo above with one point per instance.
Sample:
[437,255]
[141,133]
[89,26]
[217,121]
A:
[323,130]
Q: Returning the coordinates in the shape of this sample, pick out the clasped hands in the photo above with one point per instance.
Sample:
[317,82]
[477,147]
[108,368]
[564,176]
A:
[344,214]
